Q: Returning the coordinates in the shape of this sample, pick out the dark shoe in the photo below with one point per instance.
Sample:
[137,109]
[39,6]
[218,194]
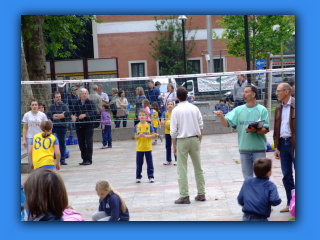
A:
[64,163]
[81,163]
[200,197]
[184,200]
[286,209]
[86,163]
[109,146]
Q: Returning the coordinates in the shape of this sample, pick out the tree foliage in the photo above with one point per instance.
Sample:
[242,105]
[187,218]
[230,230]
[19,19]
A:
[168,45]
[68,36]
[267,32]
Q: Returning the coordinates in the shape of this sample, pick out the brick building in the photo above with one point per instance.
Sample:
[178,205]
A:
[127,37]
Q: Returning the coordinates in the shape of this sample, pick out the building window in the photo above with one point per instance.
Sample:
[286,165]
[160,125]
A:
[138,68]
[218,65]
[195,64]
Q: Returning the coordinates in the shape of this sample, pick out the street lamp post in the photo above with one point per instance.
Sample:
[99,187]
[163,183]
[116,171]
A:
[182,18]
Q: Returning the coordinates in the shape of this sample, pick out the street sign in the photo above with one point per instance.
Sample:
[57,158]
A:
[260,73]
[260,63]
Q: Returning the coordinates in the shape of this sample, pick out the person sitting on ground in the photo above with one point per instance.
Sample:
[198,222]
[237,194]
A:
[46,196]
[258,194]
[223,106]
[111,204]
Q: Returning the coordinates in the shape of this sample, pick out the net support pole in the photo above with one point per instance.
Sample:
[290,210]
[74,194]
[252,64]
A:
[270,87]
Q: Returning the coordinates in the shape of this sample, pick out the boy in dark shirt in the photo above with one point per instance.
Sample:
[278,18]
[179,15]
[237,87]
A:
[258,194]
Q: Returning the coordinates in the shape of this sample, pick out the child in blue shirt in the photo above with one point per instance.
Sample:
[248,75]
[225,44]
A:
[223,106]
[258,194]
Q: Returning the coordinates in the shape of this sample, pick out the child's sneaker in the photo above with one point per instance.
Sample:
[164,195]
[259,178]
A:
[161,137]
[138,180]
[151,180]
[167,163]
[175,163]
[103,147]
[154,143]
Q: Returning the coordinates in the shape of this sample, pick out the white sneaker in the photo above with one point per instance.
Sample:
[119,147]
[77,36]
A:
[151,180]
[138,180]
[175,163]
[167,163]
[154,143]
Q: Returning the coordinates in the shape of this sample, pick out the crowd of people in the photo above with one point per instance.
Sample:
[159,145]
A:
[183,133]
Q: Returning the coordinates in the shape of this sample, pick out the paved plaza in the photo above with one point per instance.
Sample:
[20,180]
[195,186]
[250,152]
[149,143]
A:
[155,201]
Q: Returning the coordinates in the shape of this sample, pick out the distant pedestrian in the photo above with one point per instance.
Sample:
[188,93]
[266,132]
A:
[170,95]
[103,95]
[96,99]
[122,104]
[139,98]
[252,142]
[258,194]
[284,137]
[106,127]
[146,106]
[153,93]
[111,204]
[186,129]
[112,103]
[143,133]
[238,90]
[46,195]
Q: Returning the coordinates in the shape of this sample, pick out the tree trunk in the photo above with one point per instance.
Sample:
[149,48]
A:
[34,47]
[26,91]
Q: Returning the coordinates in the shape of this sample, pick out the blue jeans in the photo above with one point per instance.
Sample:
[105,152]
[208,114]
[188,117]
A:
[287,159]
[124,121]
[238,103]
[252,218]
[168,148]
[150,169]
[61,133]
[106,136]
[247,160]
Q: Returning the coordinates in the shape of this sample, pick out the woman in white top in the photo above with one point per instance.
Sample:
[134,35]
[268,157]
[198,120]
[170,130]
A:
[170,95]
[31,125]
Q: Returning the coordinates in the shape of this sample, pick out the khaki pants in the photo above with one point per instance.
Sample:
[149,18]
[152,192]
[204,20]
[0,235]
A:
[189,146]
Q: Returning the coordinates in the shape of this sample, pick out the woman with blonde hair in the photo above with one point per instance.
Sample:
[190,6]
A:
[111,204]
[170,95]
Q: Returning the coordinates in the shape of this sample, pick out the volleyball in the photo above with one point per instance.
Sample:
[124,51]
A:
[272,146]
[167,125]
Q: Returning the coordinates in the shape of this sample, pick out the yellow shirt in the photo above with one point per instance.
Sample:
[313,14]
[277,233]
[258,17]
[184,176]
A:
[166,116]
[155,118]
[43,150]
[144,144]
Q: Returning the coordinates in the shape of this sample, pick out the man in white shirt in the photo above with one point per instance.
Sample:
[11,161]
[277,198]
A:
[186,124]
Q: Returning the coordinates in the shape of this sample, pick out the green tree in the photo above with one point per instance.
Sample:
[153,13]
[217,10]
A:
[168,45]
[34,30]
[266,32]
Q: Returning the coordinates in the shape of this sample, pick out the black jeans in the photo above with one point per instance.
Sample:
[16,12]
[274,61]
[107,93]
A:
[85,141]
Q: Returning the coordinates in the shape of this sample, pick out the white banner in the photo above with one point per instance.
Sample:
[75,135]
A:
[212,84]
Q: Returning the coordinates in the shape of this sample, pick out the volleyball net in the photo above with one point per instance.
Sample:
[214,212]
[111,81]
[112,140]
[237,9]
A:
[203,89]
